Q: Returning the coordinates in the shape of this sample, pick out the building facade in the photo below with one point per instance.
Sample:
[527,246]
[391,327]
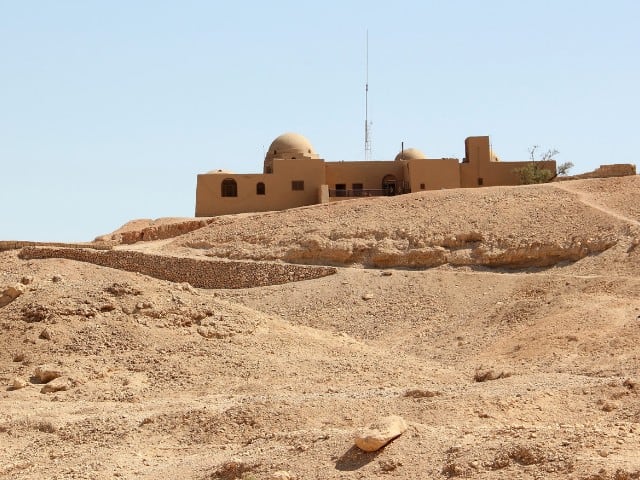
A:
[294,175]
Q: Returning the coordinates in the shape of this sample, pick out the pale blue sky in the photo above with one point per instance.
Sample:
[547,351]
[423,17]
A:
[109,110]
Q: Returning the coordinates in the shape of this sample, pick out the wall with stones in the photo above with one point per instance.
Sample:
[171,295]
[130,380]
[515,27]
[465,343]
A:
[18,244]
[201,273]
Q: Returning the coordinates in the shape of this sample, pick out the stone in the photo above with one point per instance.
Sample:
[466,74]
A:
[282,475]
[10,293]
[46,373]
[367,296]
[56,278]
[26,280]
[18,383]
[59,384]
[45,334]
[378,434]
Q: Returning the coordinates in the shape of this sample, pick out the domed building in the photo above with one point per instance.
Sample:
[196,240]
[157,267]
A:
[295,175]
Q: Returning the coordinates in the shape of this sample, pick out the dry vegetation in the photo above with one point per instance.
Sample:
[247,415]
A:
[502,324]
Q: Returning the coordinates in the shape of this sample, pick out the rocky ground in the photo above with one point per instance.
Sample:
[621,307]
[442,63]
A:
[502,325]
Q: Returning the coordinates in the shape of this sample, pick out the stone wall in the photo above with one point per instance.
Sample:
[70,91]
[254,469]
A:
[201,273]
[605,171]
[18,244]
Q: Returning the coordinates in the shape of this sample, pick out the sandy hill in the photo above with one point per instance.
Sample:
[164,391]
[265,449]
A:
[501,323]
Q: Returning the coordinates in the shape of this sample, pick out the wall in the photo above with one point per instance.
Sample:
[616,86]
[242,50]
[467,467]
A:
[604,171]
[478,165]
[434,174]
[201,273]
[278,192]
[18,244]
[370,174]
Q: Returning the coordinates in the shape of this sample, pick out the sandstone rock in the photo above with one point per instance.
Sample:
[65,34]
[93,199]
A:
[46,373]
[378,434]
[10,293]
[483,375]
[45,334]
[367,296]
[282,475]
[59,384]
[26,280]
[18,383]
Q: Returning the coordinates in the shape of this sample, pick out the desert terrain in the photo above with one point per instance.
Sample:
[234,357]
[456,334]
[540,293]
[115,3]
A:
[502,324]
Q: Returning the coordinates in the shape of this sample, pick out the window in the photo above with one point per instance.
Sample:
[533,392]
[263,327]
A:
[480,181]
[341,189]
[229,188]
[260,188]
[297,185]
[422,186]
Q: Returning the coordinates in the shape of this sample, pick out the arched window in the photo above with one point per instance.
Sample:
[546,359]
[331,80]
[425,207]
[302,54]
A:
[229,188]
[260,190]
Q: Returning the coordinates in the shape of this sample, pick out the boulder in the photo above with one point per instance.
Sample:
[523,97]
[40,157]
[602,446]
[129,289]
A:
[60,384]
[18,383]
[378,434]
[10,293]
[46,373]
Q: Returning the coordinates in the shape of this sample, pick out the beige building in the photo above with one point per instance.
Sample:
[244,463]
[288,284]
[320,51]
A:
[294,175]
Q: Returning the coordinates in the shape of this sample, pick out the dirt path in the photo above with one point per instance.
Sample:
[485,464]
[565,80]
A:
[587,200]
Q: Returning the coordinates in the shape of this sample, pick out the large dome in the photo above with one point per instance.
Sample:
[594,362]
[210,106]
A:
[411,154]
[290,145]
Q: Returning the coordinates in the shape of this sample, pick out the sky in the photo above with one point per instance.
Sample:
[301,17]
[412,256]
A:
[109,110]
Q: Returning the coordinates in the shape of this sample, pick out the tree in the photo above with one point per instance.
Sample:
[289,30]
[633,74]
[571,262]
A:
[563,168]
[533,172]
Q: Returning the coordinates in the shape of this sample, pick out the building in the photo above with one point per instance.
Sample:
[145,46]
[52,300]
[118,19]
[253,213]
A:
[295,175]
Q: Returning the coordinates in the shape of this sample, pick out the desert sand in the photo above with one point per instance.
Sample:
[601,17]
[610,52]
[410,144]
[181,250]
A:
[502,324]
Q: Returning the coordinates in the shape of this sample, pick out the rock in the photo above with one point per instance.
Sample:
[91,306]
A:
[378,434]
[387,273]
[483,375]
[282,475]
[18,383]
[420,393]
[59,384]
[10,293]
[45,334]
[367,296]
[46,373]
[26,280]
[56,278]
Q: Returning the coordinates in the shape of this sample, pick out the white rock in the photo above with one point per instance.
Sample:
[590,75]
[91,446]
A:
[379,433]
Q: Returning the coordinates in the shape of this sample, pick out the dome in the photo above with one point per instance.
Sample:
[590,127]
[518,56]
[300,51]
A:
[291,145]
[411,154]
[220,172]
[493,156]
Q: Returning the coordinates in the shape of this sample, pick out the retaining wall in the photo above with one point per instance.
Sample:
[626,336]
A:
[18,244]
[201,273]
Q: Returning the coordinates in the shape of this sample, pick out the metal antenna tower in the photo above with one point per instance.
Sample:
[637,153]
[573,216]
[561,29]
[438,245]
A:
[367,124]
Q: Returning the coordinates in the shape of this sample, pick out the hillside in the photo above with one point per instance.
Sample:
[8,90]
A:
[501,323]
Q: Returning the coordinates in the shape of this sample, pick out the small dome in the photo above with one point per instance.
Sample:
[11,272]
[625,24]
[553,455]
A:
[411,154]
[493,157]
[220,172]
[290,144]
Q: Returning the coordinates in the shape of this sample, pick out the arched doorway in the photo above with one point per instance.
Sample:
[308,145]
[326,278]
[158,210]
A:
[389,185]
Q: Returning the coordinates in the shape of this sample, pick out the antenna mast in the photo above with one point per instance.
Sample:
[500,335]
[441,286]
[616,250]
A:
[367,124]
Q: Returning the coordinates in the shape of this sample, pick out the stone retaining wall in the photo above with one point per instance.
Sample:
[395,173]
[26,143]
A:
[18,244]
[201,273]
